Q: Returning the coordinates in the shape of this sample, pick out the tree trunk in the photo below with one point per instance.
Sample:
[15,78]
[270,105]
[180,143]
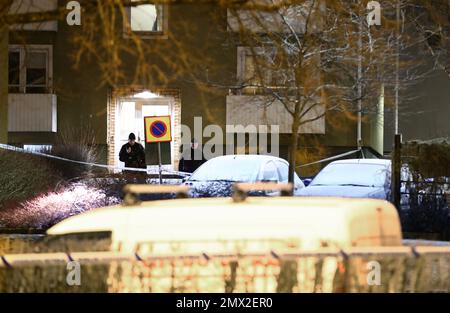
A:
[3,84]
[293,150]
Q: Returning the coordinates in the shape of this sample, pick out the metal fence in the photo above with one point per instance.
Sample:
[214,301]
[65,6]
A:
[369,269]
[420,189]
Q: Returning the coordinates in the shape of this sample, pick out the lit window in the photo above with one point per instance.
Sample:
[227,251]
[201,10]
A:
[146,19]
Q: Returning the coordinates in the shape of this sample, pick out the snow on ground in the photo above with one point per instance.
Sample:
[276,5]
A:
[48,209]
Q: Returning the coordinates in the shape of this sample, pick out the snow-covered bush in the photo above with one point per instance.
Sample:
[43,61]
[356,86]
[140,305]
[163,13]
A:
[48,209]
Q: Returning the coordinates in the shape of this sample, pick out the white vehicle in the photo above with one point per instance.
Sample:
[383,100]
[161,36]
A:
[355,178]
[219,229]
[216,176]
[204,225]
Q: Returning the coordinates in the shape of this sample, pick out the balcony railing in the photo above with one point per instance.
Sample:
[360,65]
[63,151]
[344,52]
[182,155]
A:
[248,109]
[32,113]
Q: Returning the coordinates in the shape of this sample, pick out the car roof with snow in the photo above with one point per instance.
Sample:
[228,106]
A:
[255,157]
[364,161]
[306,223]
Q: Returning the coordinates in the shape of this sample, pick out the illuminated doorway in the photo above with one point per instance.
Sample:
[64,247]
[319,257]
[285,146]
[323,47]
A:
[129,118]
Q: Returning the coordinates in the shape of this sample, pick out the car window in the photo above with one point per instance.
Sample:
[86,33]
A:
[283,171]
[270,172]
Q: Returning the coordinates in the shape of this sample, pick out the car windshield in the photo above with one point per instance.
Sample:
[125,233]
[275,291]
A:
[347,174]
[233,170]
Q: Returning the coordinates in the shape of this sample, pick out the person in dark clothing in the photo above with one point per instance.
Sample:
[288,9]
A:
[192,158]
[133,153]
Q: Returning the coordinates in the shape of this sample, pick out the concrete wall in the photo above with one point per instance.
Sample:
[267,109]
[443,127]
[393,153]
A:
[373,126]
[427,115]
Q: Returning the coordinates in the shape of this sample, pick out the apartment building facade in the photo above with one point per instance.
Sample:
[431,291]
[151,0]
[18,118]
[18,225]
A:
[42,93]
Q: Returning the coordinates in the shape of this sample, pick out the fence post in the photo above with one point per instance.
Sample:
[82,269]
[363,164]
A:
[396,165]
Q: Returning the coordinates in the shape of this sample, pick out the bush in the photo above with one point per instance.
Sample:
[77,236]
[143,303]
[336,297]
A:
[428,158]
[24,176]
[429,168]
[428,213]
[76,144]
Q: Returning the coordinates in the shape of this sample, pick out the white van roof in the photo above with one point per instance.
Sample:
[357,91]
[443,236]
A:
[306,223]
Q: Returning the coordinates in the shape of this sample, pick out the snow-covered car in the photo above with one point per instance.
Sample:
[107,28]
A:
[354,178]
[216,177]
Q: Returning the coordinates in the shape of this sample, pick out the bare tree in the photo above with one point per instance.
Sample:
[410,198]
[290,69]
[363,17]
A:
[313,57]
[316,57]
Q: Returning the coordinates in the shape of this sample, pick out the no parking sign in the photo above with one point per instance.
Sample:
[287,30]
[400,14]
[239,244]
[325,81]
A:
[157,129]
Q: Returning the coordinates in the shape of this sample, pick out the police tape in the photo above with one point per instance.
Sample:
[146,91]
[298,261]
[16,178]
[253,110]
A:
[114,168]
[336,157]
[104,166]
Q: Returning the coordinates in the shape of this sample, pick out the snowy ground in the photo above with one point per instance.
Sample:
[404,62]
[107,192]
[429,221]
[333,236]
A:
[71,198]
[48,209]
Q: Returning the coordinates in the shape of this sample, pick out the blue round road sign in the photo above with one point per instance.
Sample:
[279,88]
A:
[158,129]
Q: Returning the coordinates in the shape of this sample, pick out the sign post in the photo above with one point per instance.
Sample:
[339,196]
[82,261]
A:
[157,130]
[159,162]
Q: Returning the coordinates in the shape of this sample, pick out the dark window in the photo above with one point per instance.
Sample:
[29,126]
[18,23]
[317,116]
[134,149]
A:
[434,39]
[14,71]
[36,65]
[29,70]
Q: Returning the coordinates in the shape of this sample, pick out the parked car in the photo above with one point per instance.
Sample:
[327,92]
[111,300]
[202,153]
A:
[215,177]
[355,178]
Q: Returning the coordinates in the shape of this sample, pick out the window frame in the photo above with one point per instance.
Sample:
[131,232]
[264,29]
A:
[162,34]
[23,50]
[242,53]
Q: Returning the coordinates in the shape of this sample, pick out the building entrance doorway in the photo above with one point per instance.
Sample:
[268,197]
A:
[130,113]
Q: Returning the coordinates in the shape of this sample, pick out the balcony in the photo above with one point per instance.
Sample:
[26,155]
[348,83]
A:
[259,110]
[32,113]
[266,21]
